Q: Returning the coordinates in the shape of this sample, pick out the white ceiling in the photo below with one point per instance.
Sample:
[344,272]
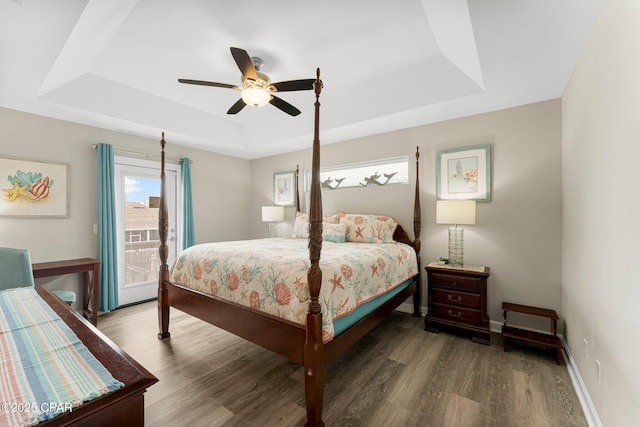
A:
[385,65]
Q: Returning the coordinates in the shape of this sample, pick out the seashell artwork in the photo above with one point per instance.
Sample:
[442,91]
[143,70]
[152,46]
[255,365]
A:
[39,189]
[29,186]
[33,189]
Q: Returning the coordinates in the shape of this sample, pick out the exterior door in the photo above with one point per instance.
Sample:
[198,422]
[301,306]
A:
[138,191]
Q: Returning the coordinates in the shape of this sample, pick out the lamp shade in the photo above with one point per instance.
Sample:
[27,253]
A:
[272,213]
[455,212]
[255,96]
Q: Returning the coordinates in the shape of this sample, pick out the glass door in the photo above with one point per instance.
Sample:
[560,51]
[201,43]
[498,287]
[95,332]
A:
[138,195]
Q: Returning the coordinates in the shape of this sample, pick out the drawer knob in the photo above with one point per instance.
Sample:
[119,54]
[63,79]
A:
[452,314]
[455,283]
[452,299]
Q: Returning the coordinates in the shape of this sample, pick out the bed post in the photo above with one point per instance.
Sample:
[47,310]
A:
[417,217]
[297,189]
[163,231]
[314,347]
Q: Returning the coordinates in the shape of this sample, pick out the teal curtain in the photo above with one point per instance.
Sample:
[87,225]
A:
[187,207]
[107,233]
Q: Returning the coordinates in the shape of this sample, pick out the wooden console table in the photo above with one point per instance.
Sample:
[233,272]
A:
[90,285]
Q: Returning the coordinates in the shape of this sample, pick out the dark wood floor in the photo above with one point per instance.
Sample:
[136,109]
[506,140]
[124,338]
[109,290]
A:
[398,375]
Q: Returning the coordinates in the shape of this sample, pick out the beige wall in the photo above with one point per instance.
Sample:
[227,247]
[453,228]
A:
[222,216]
[518,234]
[601,201]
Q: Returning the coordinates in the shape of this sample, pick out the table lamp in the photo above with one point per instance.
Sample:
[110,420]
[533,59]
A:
[456,212]
[272,214]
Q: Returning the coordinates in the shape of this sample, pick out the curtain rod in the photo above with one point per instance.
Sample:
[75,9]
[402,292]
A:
[147,156]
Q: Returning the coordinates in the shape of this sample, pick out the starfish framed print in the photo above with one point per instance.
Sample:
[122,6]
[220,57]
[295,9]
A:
[33,189]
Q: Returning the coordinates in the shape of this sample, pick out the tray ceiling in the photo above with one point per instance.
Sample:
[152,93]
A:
[385,65]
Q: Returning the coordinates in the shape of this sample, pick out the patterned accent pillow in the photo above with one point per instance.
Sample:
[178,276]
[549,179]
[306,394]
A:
[301,225]
[335,233]
[369,228]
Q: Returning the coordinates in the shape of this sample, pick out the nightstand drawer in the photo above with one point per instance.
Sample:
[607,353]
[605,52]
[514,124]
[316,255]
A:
[458,314]
[454,282]
[455,298]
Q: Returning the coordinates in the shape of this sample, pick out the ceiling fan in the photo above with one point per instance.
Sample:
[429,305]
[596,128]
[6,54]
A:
[256,88]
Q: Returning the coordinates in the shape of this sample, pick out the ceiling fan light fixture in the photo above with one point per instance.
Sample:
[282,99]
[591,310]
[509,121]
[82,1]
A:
[256,88]
[255,96]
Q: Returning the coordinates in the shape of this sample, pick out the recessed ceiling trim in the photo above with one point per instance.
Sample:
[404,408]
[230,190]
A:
[98,23]
[451,24]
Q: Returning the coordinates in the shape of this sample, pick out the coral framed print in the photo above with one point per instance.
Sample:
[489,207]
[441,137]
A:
[33,189]
[464,173]
[284,188]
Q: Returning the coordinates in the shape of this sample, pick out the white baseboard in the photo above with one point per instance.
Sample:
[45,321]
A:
[589,409]
[495,326]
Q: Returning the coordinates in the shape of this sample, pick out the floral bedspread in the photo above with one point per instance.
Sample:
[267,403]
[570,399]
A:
[271,274]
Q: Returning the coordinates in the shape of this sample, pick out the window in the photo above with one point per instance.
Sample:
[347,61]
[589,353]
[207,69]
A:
[374,173]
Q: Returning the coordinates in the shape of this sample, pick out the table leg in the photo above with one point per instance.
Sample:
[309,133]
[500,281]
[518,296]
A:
[90,295]
[94,295]
[85,293]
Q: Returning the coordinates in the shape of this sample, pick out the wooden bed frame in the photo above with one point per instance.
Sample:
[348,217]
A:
[122,407]
[296,342]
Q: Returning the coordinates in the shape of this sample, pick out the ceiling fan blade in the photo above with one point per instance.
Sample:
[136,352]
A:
[235,108]
[244,63]
[284,106]
[291,85]
[205,83]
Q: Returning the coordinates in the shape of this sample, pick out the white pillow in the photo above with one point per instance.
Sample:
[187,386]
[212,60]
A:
[335,233]
[301,224]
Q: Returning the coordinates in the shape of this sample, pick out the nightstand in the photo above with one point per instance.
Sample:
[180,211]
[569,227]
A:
[457,298]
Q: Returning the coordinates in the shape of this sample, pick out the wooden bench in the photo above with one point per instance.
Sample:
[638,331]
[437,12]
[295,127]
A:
[531,336]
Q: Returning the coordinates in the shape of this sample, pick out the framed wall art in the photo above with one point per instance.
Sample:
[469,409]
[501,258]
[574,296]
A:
[284,188]
[464,173]
[33,189]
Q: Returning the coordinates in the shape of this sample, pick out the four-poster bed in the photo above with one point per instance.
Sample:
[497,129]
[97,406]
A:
[301,342]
